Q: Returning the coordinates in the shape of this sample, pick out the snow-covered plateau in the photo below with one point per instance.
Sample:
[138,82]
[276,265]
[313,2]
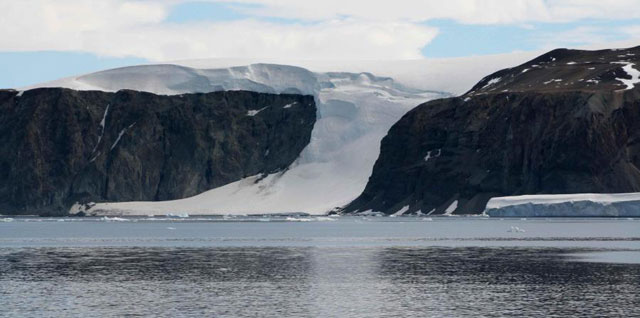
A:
[566,205]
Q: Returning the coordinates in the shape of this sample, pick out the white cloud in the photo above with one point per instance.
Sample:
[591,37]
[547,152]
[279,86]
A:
[126,28]
[464,11]
[250,38]
[333,29]
[62,24]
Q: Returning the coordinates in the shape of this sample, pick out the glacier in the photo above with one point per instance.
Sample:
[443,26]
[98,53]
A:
[566,205]
[354,113]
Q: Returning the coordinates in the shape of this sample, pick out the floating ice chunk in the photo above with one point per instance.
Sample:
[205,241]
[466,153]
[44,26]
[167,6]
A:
[292,219]
[179,215]
[254,112]
[515,229]
[6,219]
[572,63]
[171,228]
[113,219]
[324,218]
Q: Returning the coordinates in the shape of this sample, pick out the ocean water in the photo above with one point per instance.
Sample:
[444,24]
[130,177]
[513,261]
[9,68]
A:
[264,266]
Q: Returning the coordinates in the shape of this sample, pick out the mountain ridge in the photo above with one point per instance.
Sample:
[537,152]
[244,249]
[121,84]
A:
[515,132]
[62,146]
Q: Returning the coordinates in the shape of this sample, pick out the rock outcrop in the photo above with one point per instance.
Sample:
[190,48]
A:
[61,146]
[565,122]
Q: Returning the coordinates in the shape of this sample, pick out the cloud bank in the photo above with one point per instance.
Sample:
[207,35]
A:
[328,29]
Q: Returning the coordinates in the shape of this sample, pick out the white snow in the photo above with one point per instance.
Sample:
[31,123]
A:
[452,207]
[252,113]
[491,82]
[102,124]
[179,215]
[572,63]
[436,155]
[552,81]
[354,112]
[289,105]
[20,93]
[104,117]
[122,132]
[579,204]
[402,211]
[635,76]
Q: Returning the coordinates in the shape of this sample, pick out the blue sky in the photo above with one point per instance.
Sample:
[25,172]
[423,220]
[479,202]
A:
[57,39]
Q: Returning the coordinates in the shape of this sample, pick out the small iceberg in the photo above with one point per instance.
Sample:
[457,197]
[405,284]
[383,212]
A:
[178,215]
[113,219]
[292,219]
[515,229]
[324,218]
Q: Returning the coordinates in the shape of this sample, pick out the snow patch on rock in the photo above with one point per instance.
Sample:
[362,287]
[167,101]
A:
[402,211]
[452,207]
[633,73]
[254,112]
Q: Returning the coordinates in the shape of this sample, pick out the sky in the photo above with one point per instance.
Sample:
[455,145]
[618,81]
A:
[48,39]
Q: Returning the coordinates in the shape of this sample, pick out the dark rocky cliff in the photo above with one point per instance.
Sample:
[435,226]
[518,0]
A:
[566,122]
[60,146]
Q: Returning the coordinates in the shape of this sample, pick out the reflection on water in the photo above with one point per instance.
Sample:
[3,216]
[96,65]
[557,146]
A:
[313,282]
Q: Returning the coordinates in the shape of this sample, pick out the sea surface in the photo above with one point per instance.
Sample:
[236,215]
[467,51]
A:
[266,266]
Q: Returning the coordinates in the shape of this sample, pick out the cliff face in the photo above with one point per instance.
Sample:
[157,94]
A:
[61,146]
[566,122]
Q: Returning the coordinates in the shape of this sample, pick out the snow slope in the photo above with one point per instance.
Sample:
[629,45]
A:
[566,205]
[355,110]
